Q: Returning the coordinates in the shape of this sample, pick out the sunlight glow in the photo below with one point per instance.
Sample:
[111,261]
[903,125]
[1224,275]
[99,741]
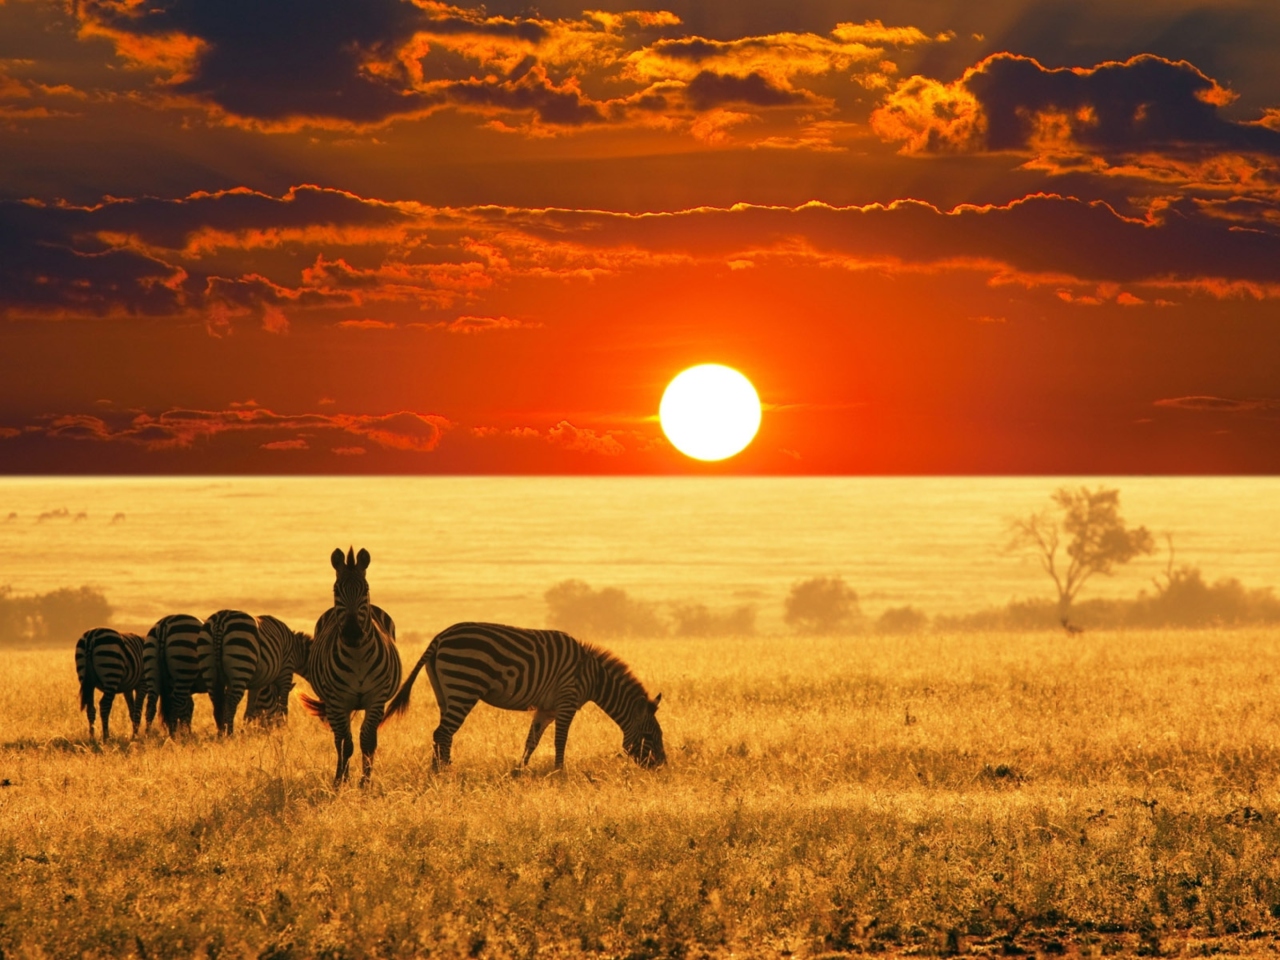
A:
[710,412]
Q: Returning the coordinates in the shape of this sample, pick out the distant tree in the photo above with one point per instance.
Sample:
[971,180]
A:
[822,605]
[699,620]
[576,608]
[1099,540]
[51,619]
[902,620]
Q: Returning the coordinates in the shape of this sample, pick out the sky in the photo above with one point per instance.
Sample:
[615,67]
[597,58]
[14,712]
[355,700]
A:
[412,237]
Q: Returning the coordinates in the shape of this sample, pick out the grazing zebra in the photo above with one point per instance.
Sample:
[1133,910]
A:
[546,671]
[240,652]
[171,658]
[354,663]
[111,662]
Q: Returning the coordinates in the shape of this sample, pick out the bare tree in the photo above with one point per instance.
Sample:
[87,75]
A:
[1099,540]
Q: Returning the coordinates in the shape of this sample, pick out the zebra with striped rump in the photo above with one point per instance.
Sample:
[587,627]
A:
[240,652]
[111,661]
[354,663]
[545,671]
[171,658]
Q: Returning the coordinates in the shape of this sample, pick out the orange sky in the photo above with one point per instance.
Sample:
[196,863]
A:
[388,236]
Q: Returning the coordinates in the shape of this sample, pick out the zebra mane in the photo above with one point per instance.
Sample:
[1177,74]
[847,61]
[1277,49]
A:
[616,667]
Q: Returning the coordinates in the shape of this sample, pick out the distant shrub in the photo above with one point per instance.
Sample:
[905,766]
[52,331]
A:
[1185,600]
[698,620]
[1034,614]
[822,605]
[574,607]
[902,620]
[51,619]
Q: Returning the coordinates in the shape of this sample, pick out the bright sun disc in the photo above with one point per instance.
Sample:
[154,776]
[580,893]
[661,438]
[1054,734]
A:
[710,412]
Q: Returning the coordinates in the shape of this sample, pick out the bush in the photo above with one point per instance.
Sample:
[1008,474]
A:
[1185,600]
[822,605]
[902,620]
[698,620]
[51,619]
[574,607]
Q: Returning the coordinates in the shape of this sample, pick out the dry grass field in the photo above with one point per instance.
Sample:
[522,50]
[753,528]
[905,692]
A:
[1001,794]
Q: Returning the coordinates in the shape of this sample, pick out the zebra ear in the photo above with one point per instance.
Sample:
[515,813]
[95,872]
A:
[653,707]
[336,559]
[362,559]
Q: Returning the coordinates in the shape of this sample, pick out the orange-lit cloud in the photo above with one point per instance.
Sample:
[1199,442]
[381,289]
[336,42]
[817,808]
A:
[1145,117]
[127,257]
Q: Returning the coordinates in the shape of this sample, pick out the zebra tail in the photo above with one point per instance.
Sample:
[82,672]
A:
[314,707]
[87,682]
[164,688]
[400,702]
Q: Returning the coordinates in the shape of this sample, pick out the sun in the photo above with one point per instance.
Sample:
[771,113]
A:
[710,412]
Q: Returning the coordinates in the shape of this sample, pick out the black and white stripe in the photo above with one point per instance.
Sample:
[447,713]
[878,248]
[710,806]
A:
[110,661]
[354,663]
[171,658]
[240,652]
[545,671]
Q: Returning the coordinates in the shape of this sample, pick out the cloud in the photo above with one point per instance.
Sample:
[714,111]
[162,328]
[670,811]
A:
[472,325]
[708,90]
[354,65]
[183,428]
[1208,404]
[1140,109]
[565,434]
[226,258]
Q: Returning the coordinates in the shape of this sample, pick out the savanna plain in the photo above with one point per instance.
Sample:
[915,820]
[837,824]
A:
[999,793]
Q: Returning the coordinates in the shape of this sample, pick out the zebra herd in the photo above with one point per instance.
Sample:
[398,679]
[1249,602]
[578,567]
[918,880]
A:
[351,663]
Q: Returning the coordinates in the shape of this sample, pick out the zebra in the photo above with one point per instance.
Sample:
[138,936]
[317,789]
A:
[354,663]
[111,661]
[171,657]
[545,671]
[240,652]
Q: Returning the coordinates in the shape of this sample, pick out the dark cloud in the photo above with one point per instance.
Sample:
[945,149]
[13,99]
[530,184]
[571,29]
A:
[709,89]
[1010,102]
[1138,104]
[272,59]
[562,105]
[183,428]
[1218,404]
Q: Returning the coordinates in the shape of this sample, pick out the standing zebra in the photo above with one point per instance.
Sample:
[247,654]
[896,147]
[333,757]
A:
[171,657]
[546,671]
[111,662]
[354,663]
[240,652]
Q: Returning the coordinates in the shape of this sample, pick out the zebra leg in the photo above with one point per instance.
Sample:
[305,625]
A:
[184,706]
[152,700]
[541,720]
[564,717]
[450,721]
[341,726]
[369,741]
[93,716]
[104,706]
[134,703]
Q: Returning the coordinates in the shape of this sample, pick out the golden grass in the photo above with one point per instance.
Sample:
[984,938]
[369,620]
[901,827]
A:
[1099,794]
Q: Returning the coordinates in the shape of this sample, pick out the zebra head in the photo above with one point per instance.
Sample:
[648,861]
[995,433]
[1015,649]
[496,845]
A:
[351,594]
[643,736]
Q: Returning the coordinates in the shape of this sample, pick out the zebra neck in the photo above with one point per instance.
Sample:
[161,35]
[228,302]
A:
[611,685]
